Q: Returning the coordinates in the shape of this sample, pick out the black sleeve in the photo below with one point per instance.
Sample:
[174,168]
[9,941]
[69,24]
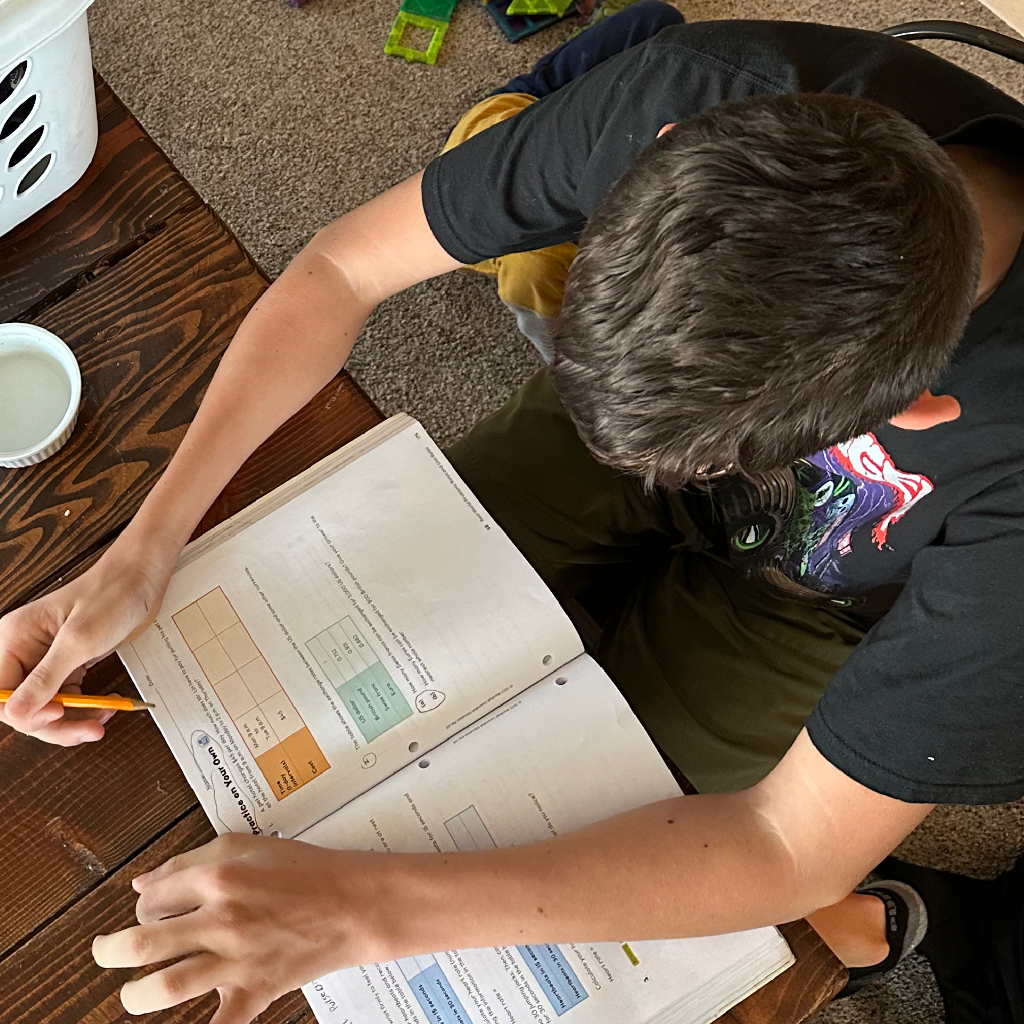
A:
[535,179]
[930,706]
[513,187]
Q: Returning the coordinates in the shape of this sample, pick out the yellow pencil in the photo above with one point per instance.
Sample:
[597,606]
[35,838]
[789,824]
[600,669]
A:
[81,700]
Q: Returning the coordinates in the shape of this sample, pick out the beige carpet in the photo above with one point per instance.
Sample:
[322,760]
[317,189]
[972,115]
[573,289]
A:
[284,119]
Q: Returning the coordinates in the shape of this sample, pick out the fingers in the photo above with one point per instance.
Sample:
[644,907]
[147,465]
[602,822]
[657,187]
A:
[148,944]
[12,672]
[69,732]
[185,980]
[64,726]
[217,849]
[167,897]
[237,1007]
[57,666]
[46,716]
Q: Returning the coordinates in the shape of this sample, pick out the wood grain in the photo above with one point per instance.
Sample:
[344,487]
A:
[91,828]
[148,287]
[802,991]
[129,190]
[148,335]
[71,815]
[53,979]
[339,413]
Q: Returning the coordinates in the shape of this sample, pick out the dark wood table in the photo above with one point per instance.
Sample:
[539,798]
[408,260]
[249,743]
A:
[147,286]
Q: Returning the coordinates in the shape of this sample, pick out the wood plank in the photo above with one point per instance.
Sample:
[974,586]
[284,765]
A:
[53,979]
[800,992]
[337,414]
[148,336]
[73,815]
[92,828]
[129,191]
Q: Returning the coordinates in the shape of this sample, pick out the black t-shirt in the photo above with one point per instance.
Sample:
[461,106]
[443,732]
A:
[930,706]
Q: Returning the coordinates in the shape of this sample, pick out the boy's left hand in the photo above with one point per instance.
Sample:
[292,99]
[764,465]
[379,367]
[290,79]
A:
[253,917]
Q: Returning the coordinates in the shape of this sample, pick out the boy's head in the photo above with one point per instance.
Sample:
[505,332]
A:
[769,278]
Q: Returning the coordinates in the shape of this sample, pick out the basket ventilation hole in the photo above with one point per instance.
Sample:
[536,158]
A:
[12,80]
[23,148]
[21,113]
[35,173]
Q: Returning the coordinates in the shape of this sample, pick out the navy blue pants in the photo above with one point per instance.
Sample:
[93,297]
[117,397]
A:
[606,38]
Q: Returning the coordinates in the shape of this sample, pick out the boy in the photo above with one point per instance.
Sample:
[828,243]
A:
[779,454]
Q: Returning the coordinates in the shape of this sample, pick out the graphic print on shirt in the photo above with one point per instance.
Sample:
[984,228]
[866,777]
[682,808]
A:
[793,528]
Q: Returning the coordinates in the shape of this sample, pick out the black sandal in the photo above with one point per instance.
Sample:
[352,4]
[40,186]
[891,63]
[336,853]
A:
[906,920]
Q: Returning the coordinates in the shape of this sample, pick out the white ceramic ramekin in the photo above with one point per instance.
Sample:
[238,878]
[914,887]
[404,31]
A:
[27,338]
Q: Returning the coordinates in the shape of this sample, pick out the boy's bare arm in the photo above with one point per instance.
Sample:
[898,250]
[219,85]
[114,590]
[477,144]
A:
[798,841]
[296,337]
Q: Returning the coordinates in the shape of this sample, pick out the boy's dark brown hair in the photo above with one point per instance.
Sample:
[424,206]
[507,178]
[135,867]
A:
[769,278]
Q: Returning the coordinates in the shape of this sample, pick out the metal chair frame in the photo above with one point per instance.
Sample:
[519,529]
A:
[961,32]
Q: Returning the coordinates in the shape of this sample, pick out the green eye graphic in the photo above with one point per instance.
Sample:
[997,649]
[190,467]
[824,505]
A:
[747,538]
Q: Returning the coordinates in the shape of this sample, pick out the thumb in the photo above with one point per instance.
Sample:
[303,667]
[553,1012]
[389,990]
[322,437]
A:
[59,662]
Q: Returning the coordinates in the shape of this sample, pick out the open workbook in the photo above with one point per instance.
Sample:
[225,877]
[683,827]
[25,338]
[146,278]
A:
[363,660]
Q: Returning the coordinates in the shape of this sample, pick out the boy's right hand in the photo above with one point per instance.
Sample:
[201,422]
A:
[47,645]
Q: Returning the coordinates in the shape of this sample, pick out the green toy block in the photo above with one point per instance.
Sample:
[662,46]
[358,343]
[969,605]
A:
[556,7]
[439,10]
[404,19]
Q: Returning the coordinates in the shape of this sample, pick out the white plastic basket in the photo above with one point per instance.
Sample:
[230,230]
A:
[48,126]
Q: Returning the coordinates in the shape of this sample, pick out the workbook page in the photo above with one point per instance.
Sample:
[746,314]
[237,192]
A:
[565,753]
[312,652]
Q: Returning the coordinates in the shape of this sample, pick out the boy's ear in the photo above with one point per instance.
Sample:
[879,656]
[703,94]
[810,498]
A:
[666,128]
[928,411]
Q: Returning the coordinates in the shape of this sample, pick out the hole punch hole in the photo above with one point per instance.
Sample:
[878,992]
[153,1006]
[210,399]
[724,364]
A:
[424,763]
[276,834]
[561,681]
[413,747]
[21,113]
[12,80]
[546,659]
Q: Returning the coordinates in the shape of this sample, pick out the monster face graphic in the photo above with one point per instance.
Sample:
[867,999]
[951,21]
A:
[798,524]
[866,460]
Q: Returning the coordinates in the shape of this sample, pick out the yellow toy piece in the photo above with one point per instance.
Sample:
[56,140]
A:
[534,7]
